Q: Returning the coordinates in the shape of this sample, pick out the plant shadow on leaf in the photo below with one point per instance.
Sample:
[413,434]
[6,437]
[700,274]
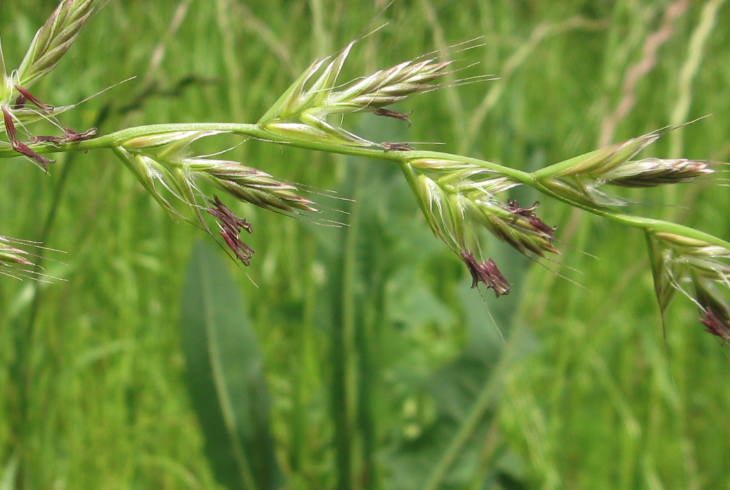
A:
[225,377]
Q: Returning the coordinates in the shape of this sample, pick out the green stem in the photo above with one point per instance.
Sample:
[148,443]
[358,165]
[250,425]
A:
[651,224]
[344,355]
[259,132]
[400,157]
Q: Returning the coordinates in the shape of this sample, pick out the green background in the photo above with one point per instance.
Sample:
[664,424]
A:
[382,368]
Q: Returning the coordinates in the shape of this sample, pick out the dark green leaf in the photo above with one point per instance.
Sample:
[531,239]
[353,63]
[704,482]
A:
[225,377]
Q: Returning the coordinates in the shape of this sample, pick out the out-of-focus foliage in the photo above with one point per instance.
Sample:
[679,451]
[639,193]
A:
[383,369]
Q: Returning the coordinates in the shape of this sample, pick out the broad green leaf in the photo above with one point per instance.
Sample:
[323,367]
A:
[225,377]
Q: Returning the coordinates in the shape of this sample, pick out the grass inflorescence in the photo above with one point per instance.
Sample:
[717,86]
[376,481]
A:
[394,290]
[457,195]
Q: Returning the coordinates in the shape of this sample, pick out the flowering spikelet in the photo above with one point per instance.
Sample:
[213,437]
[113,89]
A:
[458,197]
[55,38]
[250,185]
[678,260]
[163,159]
[383,88]
[580,178]
[652,172]
[315,95]
[524,233]
[47,48]
[10,254]
[19,114]
[19,146]
[719,327]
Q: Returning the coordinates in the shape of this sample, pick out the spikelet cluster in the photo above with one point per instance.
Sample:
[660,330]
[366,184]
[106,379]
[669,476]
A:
[163,162]
[19,106]
[458,198]
[581,179]
[699,270]
[55,38]
[302,111]
[15,259]
[164,166]
[10,254]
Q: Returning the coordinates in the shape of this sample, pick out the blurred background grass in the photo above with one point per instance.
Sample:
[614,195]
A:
[382,367]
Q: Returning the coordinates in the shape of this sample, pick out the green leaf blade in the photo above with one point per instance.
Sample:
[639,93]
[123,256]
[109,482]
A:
[225,377]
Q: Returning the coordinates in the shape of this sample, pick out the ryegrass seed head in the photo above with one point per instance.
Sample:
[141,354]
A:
[55,38]
[165,159]
[457,198]
[678,261]
[652,172]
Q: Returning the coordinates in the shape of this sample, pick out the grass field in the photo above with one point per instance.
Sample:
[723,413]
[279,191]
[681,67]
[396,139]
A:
[360,358]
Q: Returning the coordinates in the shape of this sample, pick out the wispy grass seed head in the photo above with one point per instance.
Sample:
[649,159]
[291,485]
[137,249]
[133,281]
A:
[696,268]
[580,179]
[316,94]
[16,259]
[458,198]
[10,254]
[55,38]
[49,45]
[165,164]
